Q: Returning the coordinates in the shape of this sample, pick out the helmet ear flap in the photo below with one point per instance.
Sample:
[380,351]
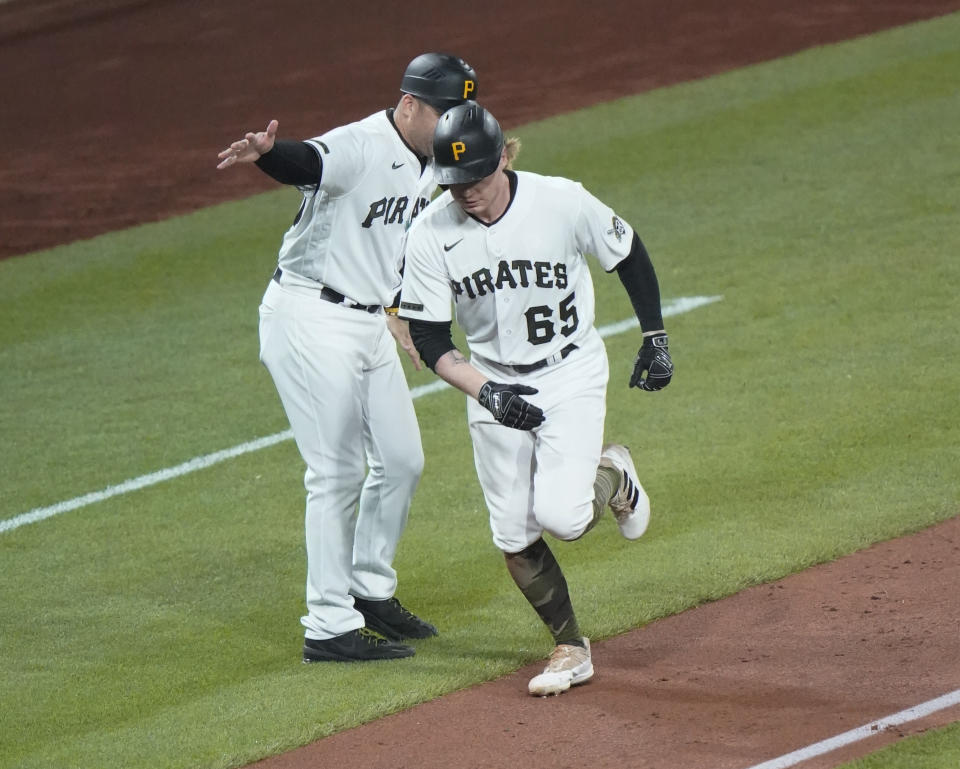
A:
[467,144]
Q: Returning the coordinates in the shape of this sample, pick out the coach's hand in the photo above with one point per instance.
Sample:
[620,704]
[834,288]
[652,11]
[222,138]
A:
[400,330]
[654,361]
[250,147]
[508,408]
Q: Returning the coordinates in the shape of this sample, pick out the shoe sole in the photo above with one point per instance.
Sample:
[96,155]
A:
[315,657]
[549,684]
[638,521]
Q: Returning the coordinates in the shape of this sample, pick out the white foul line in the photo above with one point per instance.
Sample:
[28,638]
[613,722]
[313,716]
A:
[674,307]
[861,733]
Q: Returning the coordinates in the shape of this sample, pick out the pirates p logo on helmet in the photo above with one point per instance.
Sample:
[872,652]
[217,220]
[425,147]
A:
[467,144]
[440,79]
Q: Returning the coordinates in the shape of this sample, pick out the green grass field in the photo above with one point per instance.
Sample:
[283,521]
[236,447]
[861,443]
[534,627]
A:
[814,411]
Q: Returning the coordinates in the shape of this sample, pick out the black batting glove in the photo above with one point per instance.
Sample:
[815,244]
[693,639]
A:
[508,408]
[654,361]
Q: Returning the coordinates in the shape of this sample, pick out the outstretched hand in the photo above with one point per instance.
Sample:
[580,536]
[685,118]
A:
[249,148]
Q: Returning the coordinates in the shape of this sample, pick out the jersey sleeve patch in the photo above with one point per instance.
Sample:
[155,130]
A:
[619,229]
[601,232]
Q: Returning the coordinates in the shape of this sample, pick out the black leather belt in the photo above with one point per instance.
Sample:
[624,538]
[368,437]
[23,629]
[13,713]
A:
[329,295]
[526,368]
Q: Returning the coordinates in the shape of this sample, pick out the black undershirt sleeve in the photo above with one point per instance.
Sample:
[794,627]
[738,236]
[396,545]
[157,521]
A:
[292,162]
[640,280]
[433,340]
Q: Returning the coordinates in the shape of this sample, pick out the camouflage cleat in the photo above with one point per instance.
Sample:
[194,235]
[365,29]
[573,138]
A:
[569,665]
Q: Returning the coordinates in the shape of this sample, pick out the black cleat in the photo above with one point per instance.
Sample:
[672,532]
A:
[390,619]
[355,646]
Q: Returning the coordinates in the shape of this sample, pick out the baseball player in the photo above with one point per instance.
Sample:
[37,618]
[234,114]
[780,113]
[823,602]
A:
[508,248]
[329,346]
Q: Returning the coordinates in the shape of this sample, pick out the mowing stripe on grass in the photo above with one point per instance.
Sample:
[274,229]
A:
[673,307]
[862,732]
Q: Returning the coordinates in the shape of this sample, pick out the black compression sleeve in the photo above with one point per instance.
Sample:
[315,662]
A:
[640,280]
[432,340]
[292,162]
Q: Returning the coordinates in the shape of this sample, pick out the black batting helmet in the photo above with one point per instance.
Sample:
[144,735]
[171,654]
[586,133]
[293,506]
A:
[440,79]
[467,144]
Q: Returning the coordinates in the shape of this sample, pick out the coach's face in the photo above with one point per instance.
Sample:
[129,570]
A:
[488,198]
[423,121]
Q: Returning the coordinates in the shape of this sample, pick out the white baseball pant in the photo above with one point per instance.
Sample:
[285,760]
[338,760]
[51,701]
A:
[341,384]
[542,479]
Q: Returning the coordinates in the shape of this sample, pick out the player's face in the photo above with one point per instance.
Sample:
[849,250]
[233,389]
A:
[486,199]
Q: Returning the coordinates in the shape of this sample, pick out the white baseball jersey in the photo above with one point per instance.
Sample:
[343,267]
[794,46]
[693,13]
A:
[521,286]
[349,232]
